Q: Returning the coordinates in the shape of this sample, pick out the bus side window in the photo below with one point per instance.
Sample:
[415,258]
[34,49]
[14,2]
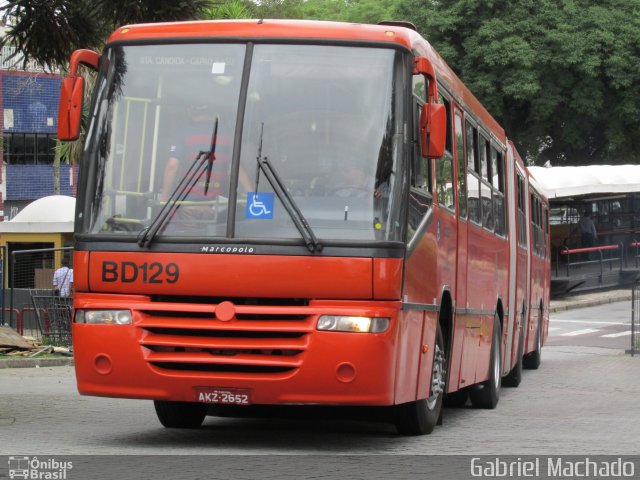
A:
[546,232]
[473,180]
[522,219]
[444,168]
[485,185]
[462,177]
[497,169]
[420,192]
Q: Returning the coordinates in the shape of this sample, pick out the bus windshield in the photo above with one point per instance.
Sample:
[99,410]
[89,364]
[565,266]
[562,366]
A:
[178,135]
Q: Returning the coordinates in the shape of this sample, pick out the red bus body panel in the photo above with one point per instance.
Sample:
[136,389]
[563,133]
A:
[242,321]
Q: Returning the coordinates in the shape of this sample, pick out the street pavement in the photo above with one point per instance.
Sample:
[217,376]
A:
[582,400]
[607,325]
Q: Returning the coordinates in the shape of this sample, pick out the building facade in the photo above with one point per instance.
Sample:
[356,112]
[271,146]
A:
[28,117]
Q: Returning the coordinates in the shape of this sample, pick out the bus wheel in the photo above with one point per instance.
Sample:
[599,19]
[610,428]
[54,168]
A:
[514,377]
[486,395]
[421,417]
[180,414]
[532,359]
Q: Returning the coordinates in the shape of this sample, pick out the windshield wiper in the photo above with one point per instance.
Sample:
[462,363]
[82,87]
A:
[288,202]
[203,162]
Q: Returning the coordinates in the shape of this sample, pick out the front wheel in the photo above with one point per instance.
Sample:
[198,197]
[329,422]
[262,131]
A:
[487,394]
[180,414]
[421,417]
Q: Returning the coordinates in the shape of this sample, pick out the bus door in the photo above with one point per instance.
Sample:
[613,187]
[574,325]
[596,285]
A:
[466,324]
[512,223]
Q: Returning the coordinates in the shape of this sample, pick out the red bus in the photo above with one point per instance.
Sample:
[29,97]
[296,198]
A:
[294,213]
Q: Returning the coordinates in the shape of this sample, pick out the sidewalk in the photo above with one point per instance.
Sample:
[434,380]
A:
[35,362]
[589,299]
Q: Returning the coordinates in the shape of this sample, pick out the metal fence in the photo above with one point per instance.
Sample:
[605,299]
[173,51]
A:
[35,308]
[635,319]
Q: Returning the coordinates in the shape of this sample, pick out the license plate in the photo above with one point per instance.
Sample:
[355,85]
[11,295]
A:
[224,396]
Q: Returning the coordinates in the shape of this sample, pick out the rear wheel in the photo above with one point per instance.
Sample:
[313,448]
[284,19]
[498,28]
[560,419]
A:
[532,360]
[421,417]
[486,395]
[180,414]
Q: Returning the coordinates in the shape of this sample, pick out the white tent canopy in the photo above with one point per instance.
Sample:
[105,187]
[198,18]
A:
[560,182]
[53,214]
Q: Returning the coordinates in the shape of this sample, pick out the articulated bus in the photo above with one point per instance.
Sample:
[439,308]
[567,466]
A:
[298,213]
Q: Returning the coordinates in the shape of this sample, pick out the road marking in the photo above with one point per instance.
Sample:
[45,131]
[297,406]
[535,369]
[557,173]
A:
[551,329]
[588,322]
[579,332]
[615,335]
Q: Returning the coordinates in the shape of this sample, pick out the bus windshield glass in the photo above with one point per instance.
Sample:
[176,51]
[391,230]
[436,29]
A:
[178,133]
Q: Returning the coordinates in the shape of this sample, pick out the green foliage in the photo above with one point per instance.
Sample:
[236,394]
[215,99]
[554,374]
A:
[233,9]
[279,9]
[560,75]
[121,12]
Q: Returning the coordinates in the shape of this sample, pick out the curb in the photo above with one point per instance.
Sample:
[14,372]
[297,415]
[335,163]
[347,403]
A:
[36,362]
[589,303]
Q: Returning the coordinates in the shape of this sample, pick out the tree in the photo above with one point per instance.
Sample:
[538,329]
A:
[560,75]
[232,9]
[279,9]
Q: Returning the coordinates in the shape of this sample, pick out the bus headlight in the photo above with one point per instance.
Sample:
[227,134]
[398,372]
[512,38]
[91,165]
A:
[338,323]
[104,317]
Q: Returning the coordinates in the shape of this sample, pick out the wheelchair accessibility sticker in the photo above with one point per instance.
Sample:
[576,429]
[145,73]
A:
[260,205]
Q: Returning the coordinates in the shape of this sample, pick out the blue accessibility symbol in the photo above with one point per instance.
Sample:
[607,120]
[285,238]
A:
[260,205]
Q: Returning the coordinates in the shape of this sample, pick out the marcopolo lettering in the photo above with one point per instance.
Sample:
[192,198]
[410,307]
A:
[228,249]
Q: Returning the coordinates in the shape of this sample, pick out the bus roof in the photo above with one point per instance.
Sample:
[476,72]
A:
[299,29]
[318,31]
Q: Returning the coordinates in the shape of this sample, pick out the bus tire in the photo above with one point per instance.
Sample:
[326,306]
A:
[514,377]
[486,395]
[532,359]
[421,417]
[180,414]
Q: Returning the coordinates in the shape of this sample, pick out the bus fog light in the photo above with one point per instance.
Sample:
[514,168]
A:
[338,323]
[104,317]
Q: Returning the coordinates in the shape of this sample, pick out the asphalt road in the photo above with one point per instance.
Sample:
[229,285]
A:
[582,401]
[607,326]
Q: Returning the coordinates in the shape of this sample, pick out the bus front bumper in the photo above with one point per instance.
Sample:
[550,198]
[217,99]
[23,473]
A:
[289,362]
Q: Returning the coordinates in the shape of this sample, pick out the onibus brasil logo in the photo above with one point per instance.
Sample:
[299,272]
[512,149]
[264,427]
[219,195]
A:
[32,468]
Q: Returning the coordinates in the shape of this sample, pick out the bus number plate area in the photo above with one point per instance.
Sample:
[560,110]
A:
[224,396]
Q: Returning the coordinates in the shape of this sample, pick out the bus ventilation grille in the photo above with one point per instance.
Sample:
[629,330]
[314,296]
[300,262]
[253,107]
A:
[253,342]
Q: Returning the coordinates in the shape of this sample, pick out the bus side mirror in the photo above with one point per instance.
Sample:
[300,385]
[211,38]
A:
[70,108]
[433,116]
[433,130]
[71,95]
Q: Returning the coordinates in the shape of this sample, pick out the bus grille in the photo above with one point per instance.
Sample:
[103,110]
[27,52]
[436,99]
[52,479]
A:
[265,340]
